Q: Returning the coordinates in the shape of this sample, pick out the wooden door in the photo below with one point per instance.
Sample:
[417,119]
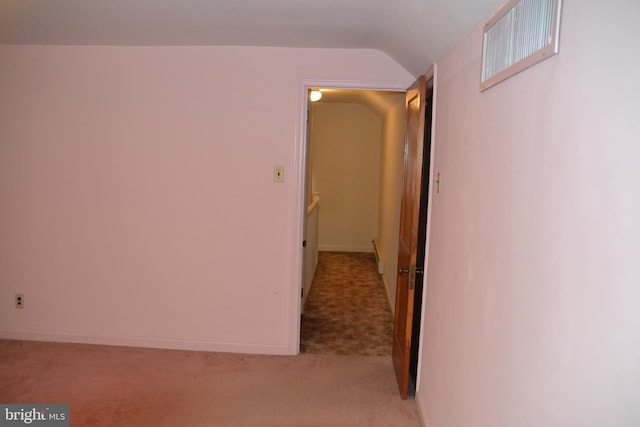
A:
[408,239]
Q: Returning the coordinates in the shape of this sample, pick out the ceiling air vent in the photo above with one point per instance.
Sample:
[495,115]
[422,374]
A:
[522,34]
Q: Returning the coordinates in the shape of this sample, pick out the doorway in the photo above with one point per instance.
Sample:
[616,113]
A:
[349,230]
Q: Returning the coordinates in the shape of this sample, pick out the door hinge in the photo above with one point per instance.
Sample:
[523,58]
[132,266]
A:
[304,243]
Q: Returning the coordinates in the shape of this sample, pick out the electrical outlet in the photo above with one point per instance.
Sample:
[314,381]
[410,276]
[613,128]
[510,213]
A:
[19,300]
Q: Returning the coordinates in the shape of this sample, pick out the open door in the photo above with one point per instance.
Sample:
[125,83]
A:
[408,239]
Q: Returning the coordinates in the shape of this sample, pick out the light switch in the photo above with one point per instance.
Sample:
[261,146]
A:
[278,174]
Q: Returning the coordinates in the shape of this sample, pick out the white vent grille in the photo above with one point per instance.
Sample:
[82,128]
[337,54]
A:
[522,34]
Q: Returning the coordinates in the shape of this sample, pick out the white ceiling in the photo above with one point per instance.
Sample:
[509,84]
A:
[415,33]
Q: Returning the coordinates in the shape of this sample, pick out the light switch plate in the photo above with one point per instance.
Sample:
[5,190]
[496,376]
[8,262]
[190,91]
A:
[278,174]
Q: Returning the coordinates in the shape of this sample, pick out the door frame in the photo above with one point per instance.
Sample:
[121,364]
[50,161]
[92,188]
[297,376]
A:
[299,176]
[424,224]
[431,75]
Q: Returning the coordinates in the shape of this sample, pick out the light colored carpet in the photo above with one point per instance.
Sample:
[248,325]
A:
[122,386]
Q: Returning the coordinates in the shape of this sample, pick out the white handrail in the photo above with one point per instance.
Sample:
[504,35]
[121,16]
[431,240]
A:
[314,204]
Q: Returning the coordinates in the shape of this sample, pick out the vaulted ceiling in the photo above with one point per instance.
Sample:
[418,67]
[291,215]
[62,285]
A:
[415,33]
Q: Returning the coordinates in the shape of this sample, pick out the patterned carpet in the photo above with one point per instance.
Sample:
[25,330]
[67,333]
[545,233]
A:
[347,312]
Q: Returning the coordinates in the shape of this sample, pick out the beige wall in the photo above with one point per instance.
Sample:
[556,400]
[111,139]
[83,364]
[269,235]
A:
[531,305]
[137,202]
[391,164]
[346,144]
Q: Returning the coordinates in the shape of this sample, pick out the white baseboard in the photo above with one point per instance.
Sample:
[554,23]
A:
[422,410]
[149,342]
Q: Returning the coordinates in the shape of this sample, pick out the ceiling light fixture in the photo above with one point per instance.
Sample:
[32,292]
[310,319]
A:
[315,95]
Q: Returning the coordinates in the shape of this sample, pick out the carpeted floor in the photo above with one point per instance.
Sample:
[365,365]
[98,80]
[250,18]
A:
[347,311]
[351,383]
[139,387]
